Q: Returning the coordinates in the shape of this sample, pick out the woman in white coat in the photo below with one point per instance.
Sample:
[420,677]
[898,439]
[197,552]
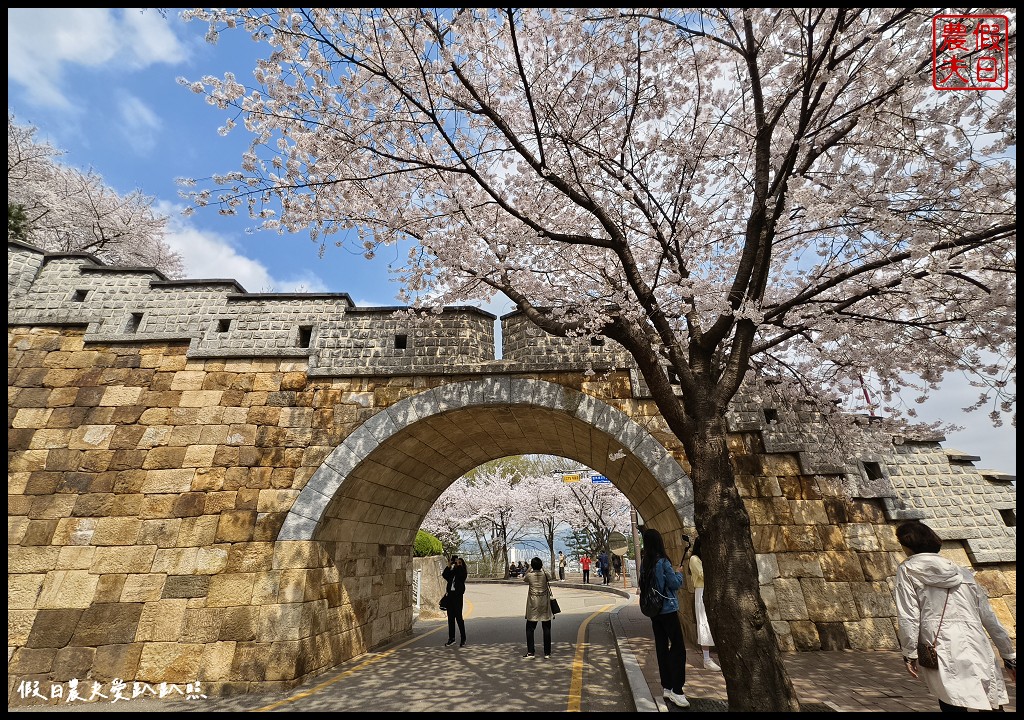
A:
[940,602]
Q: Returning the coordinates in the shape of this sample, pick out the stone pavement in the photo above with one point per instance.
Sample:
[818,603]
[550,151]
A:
[843,681]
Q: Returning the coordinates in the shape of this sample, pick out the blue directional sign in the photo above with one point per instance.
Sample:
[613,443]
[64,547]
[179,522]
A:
[599,479]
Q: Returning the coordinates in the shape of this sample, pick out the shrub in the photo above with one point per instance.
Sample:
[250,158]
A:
[426,545]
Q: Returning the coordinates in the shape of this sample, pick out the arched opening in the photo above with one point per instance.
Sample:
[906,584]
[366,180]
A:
[363,506]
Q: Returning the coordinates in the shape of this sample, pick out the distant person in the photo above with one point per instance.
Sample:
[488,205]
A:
[455,577]
[512,571]
[538,607]
[940,603]
[616,566]
[520,569]
[585,566]
[704,638]
[656,568]
[602,567]
[561,566]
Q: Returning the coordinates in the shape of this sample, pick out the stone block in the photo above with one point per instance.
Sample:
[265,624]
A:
[73,663]
[31,559]
[250,557]
[239,623]
[837,565]
[68,589]
[110,587]
[53,628]
[832,636]
[211,560]
[186,586]
[799,564]
[136,559]
[107,624]
[175,561]
[828,601]
[168,481]
[805,635]
[19,626]
[35,532]
[216,661]
[162,621]
[236,526]
[250,661]
[170,662]
[227,590]
[878,565]
[163,532]
[198,531]
[116,531]
[789,599]
[872,633]
[143,588]
[30,661]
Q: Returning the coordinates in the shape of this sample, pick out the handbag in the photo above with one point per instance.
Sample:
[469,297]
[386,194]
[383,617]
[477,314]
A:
[443,605]
[927,655]
[554,606]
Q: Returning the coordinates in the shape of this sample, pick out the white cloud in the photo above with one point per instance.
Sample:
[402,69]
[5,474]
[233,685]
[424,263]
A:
[139,124]
[41,42]
[209,255]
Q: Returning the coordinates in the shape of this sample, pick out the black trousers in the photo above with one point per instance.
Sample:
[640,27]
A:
[671,650]
[561,573]
[586,576]
[531,626]
[455,617]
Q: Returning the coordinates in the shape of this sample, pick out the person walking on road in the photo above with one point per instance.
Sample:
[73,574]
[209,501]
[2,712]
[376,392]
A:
[940,603]
[704,638]
[656,568]
[585,565]
[538,607]
[455,577]
[561,565]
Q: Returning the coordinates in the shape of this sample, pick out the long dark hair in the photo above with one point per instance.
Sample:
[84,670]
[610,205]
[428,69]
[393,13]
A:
[654,549]
[695,552]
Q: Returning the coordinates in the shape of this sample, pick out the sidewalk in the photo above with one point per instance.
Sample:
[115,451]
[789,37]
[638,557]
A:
[843,681]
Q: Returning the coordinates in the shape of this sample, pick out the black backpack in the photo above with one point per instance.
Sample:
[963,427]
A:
[651,601]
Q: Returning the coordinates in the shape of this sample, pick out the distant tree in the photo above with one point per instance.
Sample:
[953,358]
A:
[59,208]
[732,195]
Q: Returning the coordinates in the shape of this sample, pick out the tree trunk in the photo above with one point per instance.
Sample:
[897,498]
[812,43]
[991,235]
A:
[756,679]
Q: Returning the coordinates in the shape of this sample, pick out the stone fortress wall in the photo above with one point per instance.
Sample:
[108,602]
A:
[160,431]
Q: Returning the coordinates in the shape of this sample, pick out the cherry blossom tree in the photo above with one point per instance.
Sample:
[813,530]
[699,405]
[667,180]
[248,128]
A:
[773,196]
[62,209]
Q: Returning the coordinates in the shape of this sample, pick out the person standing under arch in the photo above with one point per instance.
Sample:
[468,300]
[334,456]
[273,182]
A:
[455,577]
[538,607]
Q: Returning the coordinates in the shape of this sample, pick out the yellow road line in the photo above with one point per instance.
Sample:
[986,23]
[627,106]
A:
[365,663]
[576,683]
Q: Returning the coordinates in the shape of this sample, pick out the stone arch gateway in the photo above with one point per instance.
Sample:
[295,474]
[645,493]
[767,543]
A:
[214,485]
[454,428]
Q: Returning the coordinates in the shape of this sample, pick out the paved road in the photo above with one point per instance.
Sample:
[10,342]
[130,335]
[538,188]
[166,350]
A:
[603,660]
[419,674]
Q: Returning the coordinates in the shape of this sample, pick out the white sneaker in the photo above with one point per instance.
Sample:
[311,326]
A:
[712,665]
[677,699]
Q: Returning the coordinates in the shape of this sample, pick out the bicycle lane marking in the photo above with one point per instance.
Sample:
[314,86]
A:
[576,682]
[364,664]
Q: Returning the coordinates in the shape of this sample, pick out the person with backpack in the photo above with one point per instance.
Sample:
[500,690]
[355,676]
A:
[659,579]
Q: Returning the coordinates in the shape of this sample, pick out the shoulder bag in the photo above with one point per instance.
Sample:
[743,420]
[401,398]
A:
[927,655]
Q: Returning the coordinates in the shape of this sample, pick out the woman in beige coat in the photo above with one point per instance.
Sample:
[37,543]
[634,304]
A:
[538,607]
[940,602]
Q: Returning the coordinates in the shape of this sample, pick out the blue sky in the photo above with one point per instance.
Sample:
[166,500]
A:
[101,84]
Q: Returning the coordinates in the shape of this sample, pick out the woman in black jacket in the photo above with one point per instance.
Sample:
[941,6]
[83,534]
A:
[455,577]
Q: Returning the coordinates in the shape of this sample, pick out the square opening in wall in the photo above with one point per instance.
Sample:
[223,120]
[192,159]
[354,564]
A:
[79,296]
[771,415]
[305,335]
[597,342]
[134,323]
[1009,517]
[873,470]
[223,325]
[401,342]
